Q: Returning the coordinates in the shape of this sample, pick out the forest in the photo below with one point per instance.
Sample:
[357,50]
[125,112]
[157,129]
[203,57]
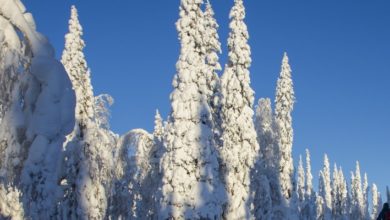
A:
[218,154]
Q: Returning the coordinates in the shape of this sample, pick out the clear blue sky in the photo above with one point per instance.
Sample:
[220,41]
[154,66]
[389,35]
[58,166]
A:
[339,51]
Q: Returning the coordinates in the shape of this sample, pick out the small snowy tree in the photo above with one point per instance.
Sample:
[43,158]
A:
[339,195]
[309,208]
[301,188]
[366,191]
[158,131]
[301,180]
[376,205]
[343,193]
[239,140]
[325,189]
[102,110]
[190,166]
[309,176]
[357,200]
[284,103]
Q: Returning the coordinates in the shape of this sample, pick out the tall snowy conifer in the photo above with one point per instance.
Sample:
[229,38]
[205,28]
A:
[357,201]
[309,176]
[284,103]
[326,192]
[309,208]
[88,157]
[191,187]
[239,141]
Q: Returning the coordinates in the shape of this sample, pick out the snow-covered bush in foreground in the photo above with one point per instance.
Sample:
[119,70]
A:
[36,111]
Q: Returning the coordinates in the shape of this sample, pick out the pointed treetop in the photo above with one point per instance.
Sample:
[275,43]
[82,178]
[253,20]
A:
[238,10]
[309,176]
[285,57]
[158,126]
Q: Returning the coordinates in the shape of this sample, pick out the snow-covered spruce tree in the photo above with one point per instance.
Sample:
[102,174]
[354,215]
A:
[36,102]
[309,208]
[191,186]
[239,140]
[376,206]
[284,103]
[158,132]
[309,176]
[326,189]
[366,191]
[357,200]
[301,188]
[344,195]
[88,161]
[10,203]
[339,195]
